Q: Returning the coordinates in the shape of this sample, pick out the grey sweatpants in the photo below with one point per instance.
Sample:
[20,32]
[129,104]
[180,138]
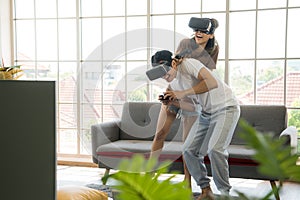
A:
[211,137]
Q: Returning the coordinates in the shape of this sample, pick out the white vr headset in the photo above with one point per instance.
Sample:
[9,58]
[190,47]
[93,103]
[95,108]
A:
[157,72]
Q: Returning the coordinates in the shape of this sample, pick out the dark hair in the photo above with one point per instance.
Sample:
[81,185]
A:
[160,57]
[210,45]
[215,24]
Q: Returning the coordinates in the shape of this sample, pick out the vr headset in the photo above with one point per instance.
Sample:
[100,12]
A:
[162,69]
[157,71]
[204,24]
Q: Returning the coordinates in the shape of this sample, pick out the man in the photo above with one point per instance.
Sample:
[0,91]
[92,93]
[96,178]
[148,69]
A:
[216,123]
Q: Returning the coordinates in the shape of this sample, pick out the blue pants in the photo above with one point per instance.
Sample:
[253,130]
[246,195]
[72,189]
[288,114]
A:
[211,137]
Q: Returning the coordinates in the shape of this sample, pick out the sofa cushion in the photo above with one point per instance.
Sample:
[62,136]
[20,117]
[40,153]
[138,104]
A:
[137,146]
[263,118]
[111,154]
[139,120]
[238,155]
[241,155]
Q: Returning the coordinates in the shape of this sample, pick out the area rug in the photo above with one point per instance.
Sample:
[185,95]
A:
[111,193]
[107,189]
[104,188]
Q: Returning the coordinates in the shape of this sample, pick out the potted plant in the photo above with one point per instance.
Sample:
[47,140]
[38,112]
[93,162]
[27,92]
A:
[11,72]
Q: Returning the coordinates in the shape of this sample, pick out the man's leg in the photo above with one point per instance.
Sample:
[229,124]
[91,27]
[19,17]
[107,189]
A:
[191,152]
[188,122]
[224,125]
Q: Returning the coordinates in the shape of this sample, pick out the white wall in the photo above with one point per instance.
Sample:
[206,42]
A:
[6,47]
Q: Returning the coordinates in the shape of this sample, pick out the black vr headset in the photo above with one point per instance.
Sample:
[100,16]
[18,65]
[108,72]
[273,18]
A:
[162,69]
[206,25]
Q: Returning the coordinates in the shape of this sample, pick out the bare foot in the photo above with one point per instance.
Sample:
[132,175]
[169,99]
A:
[206,194]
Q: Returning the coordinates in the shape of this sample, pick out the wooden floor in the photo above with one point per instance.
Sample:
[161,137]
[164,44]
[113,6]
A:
[75,175]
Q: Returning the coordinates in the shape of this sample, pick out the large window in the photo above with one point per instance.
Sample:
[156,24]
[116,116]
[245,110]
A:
[97,51]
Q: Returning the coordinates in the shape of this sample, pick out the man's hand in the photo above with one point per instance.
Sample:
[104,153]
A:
[174,95]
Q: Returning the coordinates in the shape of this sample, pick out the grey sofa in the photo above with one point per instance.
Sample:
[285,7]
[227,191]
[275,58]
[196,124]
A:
[134,132]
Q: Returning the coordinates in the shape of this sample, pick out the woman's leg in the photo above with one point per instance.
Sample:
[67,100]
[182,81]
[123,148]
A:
[164,123]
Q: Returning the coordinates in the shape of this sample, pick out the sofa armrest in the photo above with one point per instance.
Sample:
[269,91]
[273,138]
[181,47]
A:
[291,131]
[104,133]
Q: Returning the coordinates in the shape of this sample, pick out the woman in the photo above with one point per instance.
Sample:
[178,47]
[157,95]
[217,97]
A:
[204,48]
[203,44]
[216,122]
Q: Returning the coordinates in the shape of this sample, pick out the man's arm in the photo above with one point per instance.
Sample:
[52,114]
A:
[206,83]
[185,104]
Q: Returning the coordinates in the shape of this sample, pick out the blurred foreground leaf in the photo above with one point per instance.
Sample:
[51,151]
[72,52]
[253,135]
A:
[136,181]
[274,158]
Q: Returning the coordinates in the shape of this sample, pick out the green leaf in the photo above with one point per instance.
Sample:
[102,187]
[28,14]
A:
[134,183]
[274,158]
[271,153]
